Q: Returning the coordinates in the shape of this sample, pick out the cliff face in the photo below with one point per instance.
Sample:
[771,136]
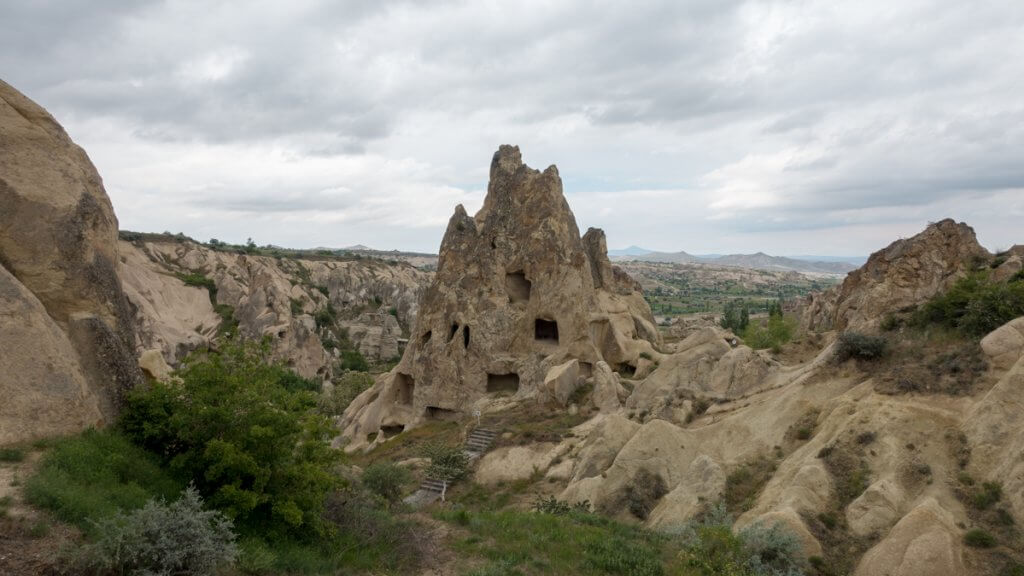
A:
[59,253]
[905,274]
[517,292]
[268,297]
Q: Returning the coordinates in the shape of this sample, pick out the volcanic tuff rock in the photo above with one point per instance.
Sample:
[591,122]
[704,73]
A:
[58,242]
[906,273]
[271,297]
[517,292]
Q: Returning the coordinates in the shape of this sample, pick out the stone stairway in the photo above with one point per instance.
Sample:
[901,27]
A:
[478,442]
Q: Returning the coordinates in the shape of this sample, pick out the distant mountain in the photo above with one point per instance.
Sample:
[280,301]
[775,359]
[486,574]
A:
[631,251]
[359,248]
[758,261]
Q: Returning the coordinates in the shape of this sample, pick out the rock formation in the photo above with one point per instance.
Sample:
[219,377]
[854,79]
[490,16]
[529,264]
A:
[268,297]
[517,293]
[58,249]
[905,274]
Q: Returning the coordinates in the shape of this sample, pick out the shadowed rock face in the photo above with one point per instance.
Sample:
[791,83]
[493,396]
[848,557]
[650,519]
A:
[58,238]
[906,273]
[517,292]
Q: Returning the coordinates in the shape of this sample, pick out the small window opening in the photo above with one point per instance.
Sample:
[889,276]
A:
[392,430]
[451,333]
[517,287]
[545,330]
[465,336]
[425,338]
[503,383]
[437,413]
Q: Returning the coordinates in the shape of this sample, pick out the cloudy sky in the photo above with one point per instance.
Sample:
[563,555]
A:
[702,125]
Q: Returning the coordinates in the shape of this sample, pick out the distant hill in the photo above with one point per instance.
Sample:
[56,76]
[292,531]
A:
[631,251]
[758,261]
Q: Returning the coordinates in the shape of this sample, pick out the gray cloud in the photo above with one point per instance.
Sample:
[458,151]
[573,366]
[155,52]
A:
[769,122]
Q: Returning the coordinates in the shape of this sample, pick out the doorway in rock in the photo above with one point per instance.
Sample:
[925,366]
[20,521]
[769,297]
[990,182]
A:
[545,330]
[406,385]
[503,384]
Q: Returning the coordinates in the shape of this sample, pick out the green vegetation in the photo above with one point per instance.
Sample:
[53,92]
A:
[987,494]
[644,492]
[711,548]
[95,475]
[860,346]
[524,542]
[975,305]
[228,323]
[978,538]
[160,538]
[334,400]
[447,462]
[385,479]
[772,334]
[735,316]
[11,454]
[743,484]
[253,445]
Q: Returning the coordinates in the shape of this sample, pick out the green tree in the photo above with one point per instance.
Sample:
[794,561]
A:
[246,431]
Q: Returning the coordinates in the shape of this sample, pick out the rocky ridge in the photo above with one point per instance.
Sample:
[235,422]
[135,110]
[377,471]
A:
[278,299]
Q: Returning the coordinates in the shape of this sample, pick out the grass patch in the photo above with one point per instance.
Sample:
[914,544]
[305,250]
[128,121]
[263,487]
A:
[978,538]
[96,474]
[521,542]
[743,484]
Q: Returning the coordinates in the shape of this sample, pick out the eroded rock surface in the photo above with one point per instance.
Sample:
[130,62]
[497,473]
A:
[58,243]
[517,292]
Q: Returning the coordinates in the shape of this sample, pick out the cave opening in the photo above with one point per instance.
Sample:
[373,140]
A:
[545,330]
[502,383]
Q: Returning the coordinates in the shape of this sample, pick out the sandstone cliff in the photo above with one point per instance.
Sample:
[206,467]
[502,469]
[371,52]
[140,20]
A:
[277,298]
[67,337]
[517,293]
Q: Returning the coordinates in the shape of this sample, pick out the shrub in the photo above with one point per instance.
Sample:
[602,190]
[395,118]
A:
[644,492]
[978,538]
[386,480]
[352,359]
[975,305]
[160,538]
[987,495]
[711,548]
[552,505]
[735,316]
[860,346]
[255,446]
[446,462]
[334,401]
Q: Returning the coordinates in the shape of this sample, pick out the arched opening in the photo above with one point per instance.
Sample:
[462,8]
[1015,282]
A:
[465,336]
[392,430]
[452,331]
[425,338]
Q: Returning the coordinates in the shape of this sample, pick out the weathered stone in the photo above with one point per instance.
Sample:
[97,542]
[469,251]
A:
[562,380]
[58,238]
[925,541]
[517,291]
[905,274]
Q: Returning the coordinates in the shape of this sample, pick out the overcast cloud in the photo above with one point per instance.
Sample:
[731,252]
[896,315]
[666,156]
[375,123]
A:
[706,125]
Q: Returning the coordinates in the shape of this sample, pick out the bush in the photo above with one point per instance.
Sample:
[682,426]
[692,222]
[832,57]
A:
[978,538]
[860,346]
[735,316]
[644,492]
[386,480]
[95,475]
[353,359]
[552,505]
[975,305]
[161,539]
[334,401]
[711,548]
[245,433]
[446,462]
[987,495]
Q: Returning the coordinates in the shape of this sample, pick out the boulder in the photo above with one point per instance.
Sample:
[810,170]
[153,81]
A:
[562,380]
[607,389]
[58,239]
[1005,345]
